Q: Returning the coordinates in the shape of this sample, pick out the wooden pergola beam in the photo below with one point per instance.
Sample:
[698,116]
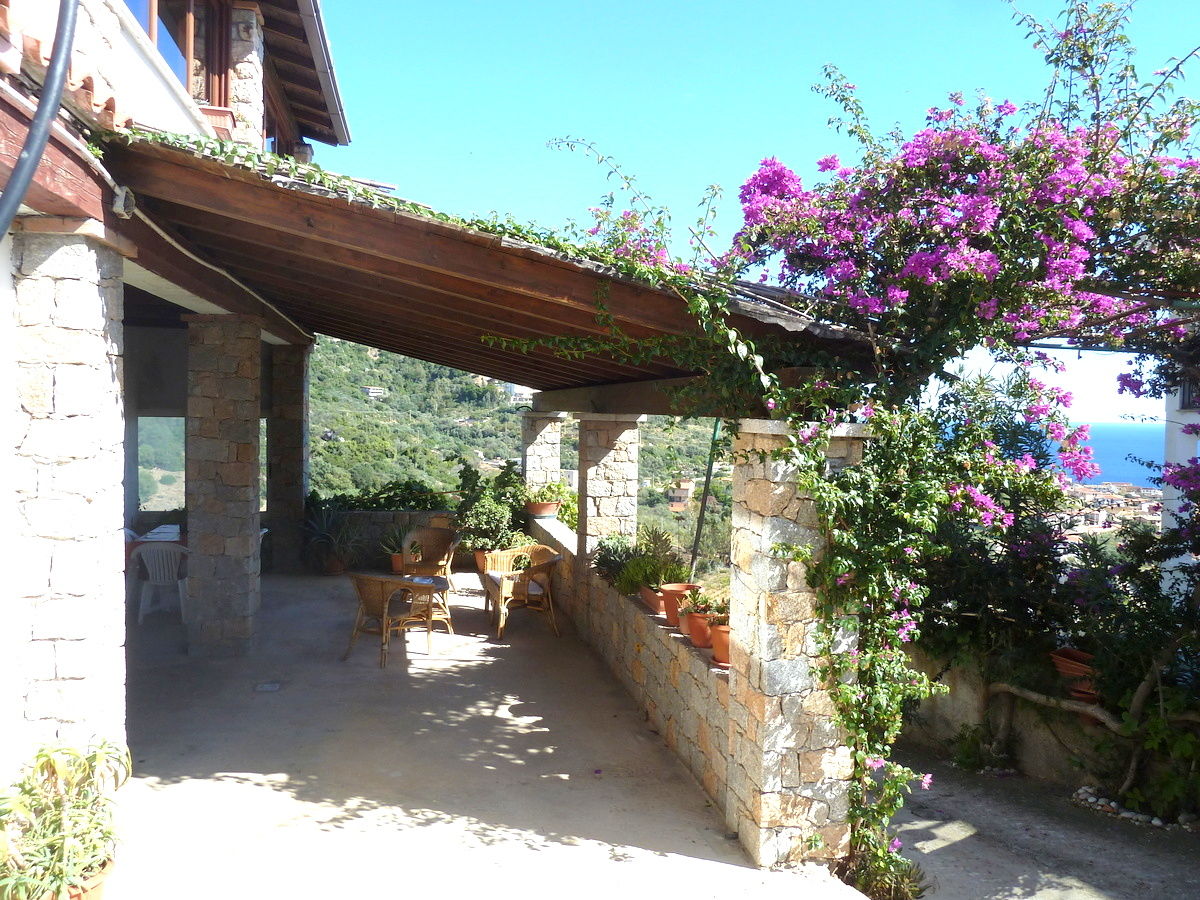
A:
[64,184]
[307,255]
[243,196]
[655,397]
[466,343]
[449,306]
[404,312]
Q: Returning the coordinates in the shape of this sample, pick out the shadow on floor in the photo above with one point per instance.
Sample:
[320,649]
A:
[527,742]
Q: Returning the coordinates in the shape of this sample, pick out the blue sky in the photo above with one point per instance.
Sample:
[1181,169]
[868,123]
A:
[454,102]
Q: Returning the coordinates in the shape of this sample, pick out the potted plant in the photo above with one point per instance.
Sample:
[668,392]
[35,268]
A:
[56,824]
[701,609]
[641,575]
[544,502]
[674,598]
[611,555]
[392,545]
[718,627]
[333,541]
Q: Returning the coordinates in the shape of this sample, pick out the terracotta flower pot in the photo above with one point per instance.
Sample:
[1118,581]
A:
[335,565]
[671,608]
[397,563]
[699,630]
[720,644]
[652,598]
[543,510]
[672,595]
[1072,663]
[480,560]
[92,889]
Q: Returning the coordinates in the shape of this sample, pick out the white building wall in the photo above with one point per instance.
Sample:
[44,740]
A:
[1178,448]
[112,49]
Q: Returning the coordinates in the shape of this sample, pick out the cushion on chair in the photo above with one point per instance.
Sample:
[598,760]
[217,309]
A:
[534,588]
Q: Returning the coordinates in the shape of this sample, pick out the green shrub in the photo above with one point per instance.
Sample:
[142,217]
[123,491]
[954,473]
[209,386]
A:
[638,571]
[611,555]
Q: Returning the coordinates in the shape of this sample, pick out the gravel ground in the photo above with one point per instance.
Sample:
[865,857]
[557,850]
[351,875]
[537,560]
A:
[986,838]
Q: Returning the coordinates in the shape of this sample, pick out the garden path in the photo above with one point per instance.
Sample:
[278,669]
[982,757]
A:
[1000,838]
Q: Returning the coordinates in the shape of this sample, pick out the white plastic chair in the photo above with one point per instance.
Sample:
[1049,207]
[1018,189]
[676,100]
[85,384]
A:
[162,560]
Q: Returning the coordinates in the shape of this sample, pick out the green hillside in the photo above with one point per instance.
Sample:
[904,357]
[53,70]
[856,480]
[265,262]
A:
[421,419]
[429,414]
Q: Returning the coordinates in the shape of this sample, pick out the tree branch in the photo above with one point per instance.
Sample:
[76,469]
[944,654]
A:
[1111,722]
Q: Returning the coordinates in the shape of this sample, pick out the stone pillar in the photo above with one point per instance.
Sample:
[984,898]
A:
[247,85]
[608,477]
[287,455]
[63,614]
[224,384]
[541,447]
[789,774]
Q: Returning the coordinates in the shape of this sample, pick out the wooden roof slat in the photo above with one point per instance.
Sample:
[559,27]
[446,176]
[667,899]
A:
[348,269]
[465,336]
[507,368]
[458,289]
[409,307]
[277,27]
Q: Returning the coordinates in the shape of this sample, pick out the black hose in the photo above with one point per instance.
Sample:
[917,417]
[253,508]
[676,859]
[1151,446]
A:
[43,118]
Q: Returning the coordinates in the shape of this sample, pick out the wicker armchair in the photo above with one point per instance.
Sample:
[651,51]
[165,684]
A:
[374,615]
[437,550]
[518,578]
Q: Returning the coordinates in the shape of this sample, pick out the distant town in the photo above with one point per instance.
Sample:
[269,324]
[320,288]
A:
[1102,507]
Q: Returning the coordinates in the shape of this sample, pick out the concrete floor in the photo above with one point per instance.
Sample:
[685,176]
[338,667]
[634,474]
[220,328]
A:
[1001,838]
[515,768]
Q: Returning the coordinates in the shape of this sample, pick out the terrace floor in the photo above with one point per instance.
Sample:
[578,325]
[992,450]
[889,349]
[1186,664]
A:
[519,767]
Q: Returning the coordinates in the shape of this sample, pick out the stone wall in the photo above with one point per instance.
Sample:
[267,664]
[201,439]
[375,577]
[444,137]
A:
[372,525]
[761,737]
[63,617]
[789,784]
[1046,743]
[685,697]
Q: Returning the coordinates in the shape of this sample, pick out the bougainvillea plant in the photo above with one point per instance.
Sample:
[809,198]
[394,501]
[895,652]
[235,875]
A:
[1073,217]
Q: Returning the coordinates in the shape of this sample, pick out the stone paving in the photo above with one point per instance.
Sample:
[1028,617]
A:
[517,768]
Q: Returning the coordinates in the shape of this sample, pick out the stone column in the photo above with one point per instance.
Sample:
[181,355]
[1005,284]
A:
[608,477]
[789,772]
[224,384]
[287,455]
[247,85]
[541,447]
[63,614]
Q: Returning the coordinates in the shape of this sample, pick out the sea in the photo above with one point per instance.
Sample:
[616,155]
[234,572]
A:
[1113,443]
